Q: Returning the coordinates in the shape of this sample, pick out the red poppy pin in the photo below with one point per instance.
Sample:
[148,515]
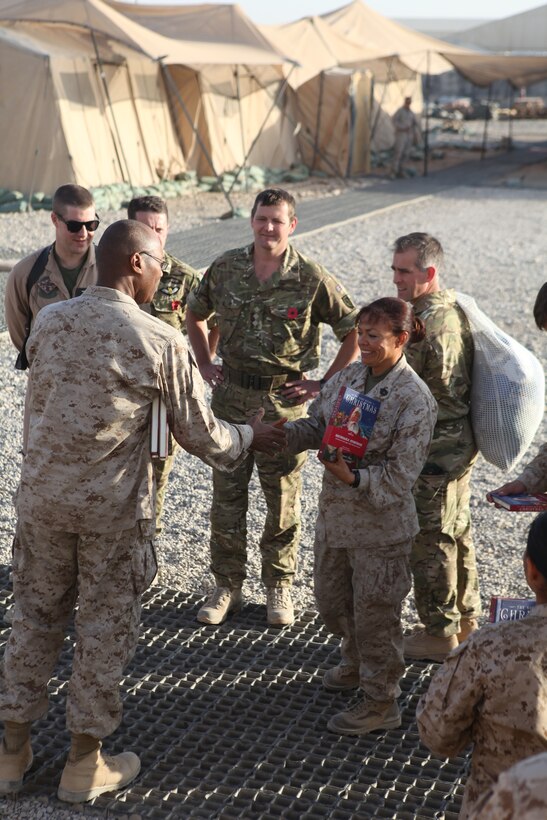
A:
[175,305]
[292,313]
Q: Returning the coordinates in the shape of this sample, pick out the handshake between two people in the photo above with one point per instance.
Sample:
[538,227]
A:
[267,438]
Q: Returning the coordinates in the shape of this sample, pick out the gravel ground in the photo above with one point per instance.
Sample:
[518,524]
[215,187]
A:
[491,237]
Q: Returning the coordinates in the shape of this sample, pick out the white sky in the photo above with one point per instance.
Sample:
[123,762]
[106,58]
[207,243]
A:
[284,11]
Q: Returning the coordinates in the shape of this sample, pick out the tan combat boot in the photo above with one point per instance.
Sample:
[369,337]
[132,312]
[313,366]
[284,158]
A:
[420,645]
[341,678]
[467,626]
[13,766]
[220,603]
[367,716]
[96,773]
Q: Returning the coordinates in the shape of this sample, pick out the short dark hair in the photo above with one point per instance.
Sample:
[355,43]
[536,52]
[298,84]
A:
[540,308]
[72,195]
[536,544]
[396,313]
[275,196]
[429,251]
[150,204]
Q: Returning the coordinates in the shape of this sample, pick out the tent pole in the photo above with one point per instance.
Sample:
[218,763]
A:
[390,74]
[308,139]
[510,132]
[485,129]
[241,126]
[426,134]
[109,101]
[171,84]
[275,104]
[318,119]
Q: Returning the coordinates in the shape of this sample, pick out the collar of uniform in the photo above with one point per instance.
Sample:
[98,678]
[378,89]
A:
[441,297]
[109,294]
[290,265]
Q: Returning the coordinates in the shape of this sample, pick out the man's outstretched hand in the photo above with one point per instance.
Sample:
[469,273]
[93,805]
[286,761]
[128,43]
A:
[267,438]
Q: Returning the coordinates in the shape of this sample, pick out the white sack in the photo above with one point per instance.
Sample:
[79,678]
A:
[507,392]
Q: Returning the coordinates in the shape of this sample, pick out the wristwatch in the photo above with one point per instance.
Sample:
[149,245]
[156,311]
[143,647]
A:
[356,480]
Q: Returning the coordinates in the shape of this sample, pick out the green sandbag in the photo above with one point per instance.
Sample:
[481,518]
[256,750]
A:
[16,207]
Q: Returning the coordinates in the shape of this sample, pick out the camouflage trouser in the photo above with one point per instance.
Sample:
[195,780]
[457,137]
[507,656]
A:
[403,144]
[359,597]
[280,480]
[162,469]
[106,574]
[446,584]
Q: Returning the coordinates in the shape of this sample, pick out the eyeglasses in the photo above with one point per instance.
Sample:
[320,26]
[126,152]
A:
[75,226]
[163,263]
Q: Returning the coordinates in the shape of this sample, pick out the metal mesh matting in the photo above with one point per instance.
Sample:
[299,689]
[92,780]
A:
[230,722]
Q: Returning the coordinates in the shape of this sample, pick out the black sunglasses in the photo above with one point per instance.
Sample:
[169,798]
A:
[163,263]
[75,226]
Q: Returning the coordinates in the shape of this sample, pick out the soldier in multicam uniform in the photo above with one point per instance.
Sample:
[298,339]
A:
[367,517]
[443,562]
[492,689]
[70,265]
[85,502]
[269,300]
[519,794]
[169,305]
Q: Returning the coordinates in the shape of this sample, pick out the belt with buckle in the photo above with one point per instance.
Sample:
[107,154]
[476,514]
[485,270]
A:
[253,381]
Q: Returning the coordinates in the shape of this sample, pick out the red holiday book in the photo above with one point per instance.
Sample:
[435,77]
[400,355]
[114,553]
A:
[522,503]
[350,427]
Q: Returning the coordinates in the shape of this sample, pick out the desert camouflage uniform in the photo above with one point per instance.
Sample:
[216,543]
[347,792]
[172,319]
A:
[85,501]
[49,288]
[169,305]
[443,562]
[519,794]
[267,329]
[363,535]
[407,131]
[491,691]
[534,475]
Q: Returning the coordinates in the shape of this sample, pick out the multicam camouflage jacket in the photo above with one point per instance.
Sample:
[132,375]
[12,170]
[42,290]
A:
[381,510]
[274,326]
[491,691]
[444,360]
[169,303]
[534,475]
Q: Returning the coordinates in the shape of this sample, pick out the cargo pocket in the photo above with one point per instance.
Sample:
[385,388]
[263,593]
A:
[144,566]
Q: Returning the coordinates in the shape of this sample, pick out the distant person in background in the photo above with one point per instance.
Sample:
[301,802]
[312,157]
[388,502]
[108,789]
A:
[492,689]
[533,478]
[169,305]
[63,270]
[407,133]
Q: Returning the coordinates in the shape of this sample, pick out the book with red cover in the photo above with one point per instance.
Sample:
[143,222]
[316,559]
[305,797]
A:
[522,503]
[350,427]
[509,609]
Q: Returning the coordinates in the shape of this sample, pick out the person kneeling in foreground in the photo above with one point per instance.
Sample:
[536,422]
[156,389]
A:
[85,502]
[367,517]
[492,689]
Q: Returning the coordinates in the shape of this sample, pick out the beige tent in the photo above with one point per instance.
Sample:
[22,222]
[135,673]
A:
[317,46]
[335,115]
[223,94]
[94,110]
[382,37]
[484,69]
[229,91]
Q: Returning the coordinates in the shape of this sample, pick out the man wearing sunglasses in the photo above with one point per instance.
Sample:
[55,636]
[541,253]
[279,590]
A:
[64,270]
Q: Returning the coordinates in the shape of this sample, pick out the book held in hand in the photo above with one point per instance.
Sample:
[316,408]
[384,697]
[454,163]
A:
[159,430]
[509,609]
[350,427]
[522,503]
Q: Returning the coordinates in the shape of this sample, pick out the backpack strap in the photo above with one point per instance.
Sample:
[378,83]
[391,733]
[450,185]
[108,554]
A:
[35,273]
